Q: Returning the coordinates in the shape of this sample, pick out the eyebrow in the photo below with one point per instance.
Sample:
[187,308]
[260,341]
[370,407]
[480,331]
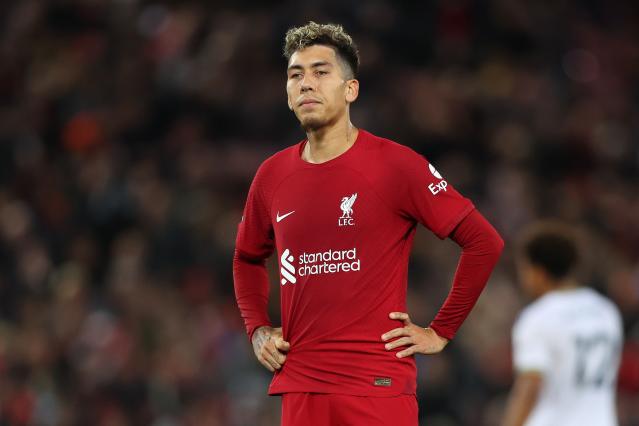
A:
[313,65]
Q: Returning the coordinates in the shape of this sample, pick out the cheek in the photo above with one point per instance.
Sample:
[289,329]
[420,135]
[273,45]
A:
[336,95]
[341,94]
[292,87]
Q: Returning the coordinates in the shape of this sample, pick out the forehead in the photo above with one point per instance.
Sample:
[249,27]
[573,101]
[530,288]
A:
[311,54]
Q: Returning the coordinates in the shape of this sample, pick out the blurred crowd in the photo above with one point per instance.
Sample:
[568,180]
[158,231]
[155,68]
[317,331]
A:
[130,131]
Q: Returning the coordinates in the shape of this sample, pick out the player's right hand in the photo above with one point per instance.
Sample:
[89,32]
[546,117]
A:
[270,347]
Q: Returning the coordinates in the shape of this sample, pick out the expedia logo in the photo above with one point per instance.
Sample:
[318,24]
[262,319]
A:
[287,269]
[326,262]
[436,188]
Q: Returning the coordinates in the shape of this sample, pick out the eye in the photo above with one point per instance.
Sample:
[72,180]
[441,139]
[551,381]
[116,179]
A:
[295,75]
[321,72]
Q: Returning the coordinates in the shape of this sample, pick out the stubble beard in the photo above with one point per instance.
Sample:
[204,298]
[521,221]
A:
[314,123]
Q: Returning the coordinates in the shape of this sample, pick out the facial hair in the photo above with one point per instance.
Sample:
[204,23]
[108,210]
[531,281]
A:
[311,124]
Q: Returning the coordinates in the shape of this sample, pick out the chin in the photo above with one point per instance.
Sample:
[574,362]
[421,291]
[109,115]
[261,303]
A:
[311,125]
[312,122]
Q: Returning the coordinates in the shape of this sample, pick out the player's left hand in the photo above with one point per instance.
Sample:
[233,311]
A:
[419,340]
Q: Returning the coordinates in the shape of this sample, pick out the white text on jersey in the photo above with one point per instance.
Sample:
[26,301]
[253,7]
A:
[435,188]
[327,262]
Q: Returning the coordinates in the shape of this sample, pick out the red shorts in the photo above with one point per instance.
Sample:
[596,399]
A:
[317,409]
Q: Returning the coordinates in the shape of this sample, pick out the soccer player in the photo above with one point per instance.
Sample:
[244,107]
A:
[566,344]
[341,209]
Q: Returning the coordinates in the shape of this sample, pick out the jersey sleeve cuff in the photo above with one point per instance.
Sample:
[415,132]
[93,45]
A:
[442,331]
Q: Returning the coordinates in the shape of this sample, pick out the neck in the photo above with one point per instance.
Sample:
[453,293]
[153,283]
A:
[563,285]
[568,284]
[329,142]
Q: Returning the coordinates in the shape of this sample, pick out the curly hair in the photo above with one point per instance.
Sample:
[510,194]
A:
[298,38]
[551,245]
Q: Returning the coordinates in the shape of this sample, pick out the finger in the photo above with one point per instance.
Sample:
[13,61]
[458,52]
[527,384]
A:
[402,316]
[407,352]
[396,332]
[278,356]
[399,342]
[268,366]
[282,345]
[271,360]
[271,354]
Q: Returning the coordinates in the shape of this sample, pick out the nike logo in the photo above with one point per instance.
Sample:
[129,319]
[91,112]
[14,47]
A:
[279,218]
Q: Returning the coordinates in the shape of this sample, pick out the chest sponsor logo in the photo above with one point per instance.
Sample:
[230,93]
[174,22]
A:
[326,262]
[436,188]
[346,219]
[287,270]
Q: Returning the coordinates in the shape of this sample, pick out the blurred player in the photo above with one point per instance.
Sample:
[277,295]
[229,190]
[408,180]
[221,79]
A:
[341,208]
[566,344]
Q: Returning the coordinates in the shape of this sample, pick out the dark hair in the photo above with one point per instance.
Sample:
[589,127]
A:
[298,38]
[551,246]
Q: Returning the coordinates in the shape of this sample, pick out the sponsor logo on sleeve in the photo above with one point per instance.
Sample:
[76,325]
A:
[436,188]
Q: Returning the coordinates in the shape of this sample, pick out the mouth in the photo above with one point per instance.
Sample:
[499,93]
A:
[308,102]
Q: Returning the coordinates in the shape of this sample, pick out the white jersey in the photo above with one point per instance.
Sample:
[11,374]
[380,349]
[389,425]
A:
[573,337]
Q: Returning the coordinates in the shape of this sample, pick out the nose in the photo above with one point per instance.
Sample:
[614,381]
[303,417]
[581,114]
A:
[307,83]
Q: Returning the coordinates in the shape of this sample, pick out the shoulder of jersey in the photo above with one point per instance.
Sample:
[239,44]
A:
[549,304]
[538,311]
[283,155]
[280,162]
[388,146]
[394,153]
[607,303]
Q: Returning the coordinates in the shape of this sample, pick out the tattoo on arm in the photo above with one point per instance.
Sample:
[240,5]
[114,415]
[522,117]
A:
[261,337]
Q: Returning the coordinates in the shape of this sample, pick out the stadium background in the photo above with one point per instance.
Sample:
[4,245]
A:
[130,131]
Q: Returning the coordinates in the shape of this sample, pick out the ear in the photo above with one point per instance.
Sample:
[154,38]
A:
[537,273]
[352,90]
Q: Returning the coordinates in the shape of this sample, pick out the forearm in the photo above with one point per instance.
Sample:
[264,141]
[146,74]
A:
[522,399]
[251,291]
[516,412]
[481,248]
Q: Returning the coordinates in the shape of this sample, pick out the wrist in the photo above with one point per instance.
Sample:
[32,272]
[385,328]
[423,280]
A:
[441,332]
[441,338]
[257,330]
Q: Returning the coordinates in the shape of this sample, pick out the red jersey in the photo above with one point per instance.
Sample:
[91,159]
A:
[343,231]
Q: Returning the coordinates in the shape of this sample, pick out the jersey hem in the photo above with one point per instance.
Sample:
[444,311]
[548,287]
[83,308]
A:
[341,392]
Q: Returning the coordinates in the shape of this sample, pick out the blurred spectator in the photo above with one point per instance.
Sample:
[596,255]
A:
[129,131]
